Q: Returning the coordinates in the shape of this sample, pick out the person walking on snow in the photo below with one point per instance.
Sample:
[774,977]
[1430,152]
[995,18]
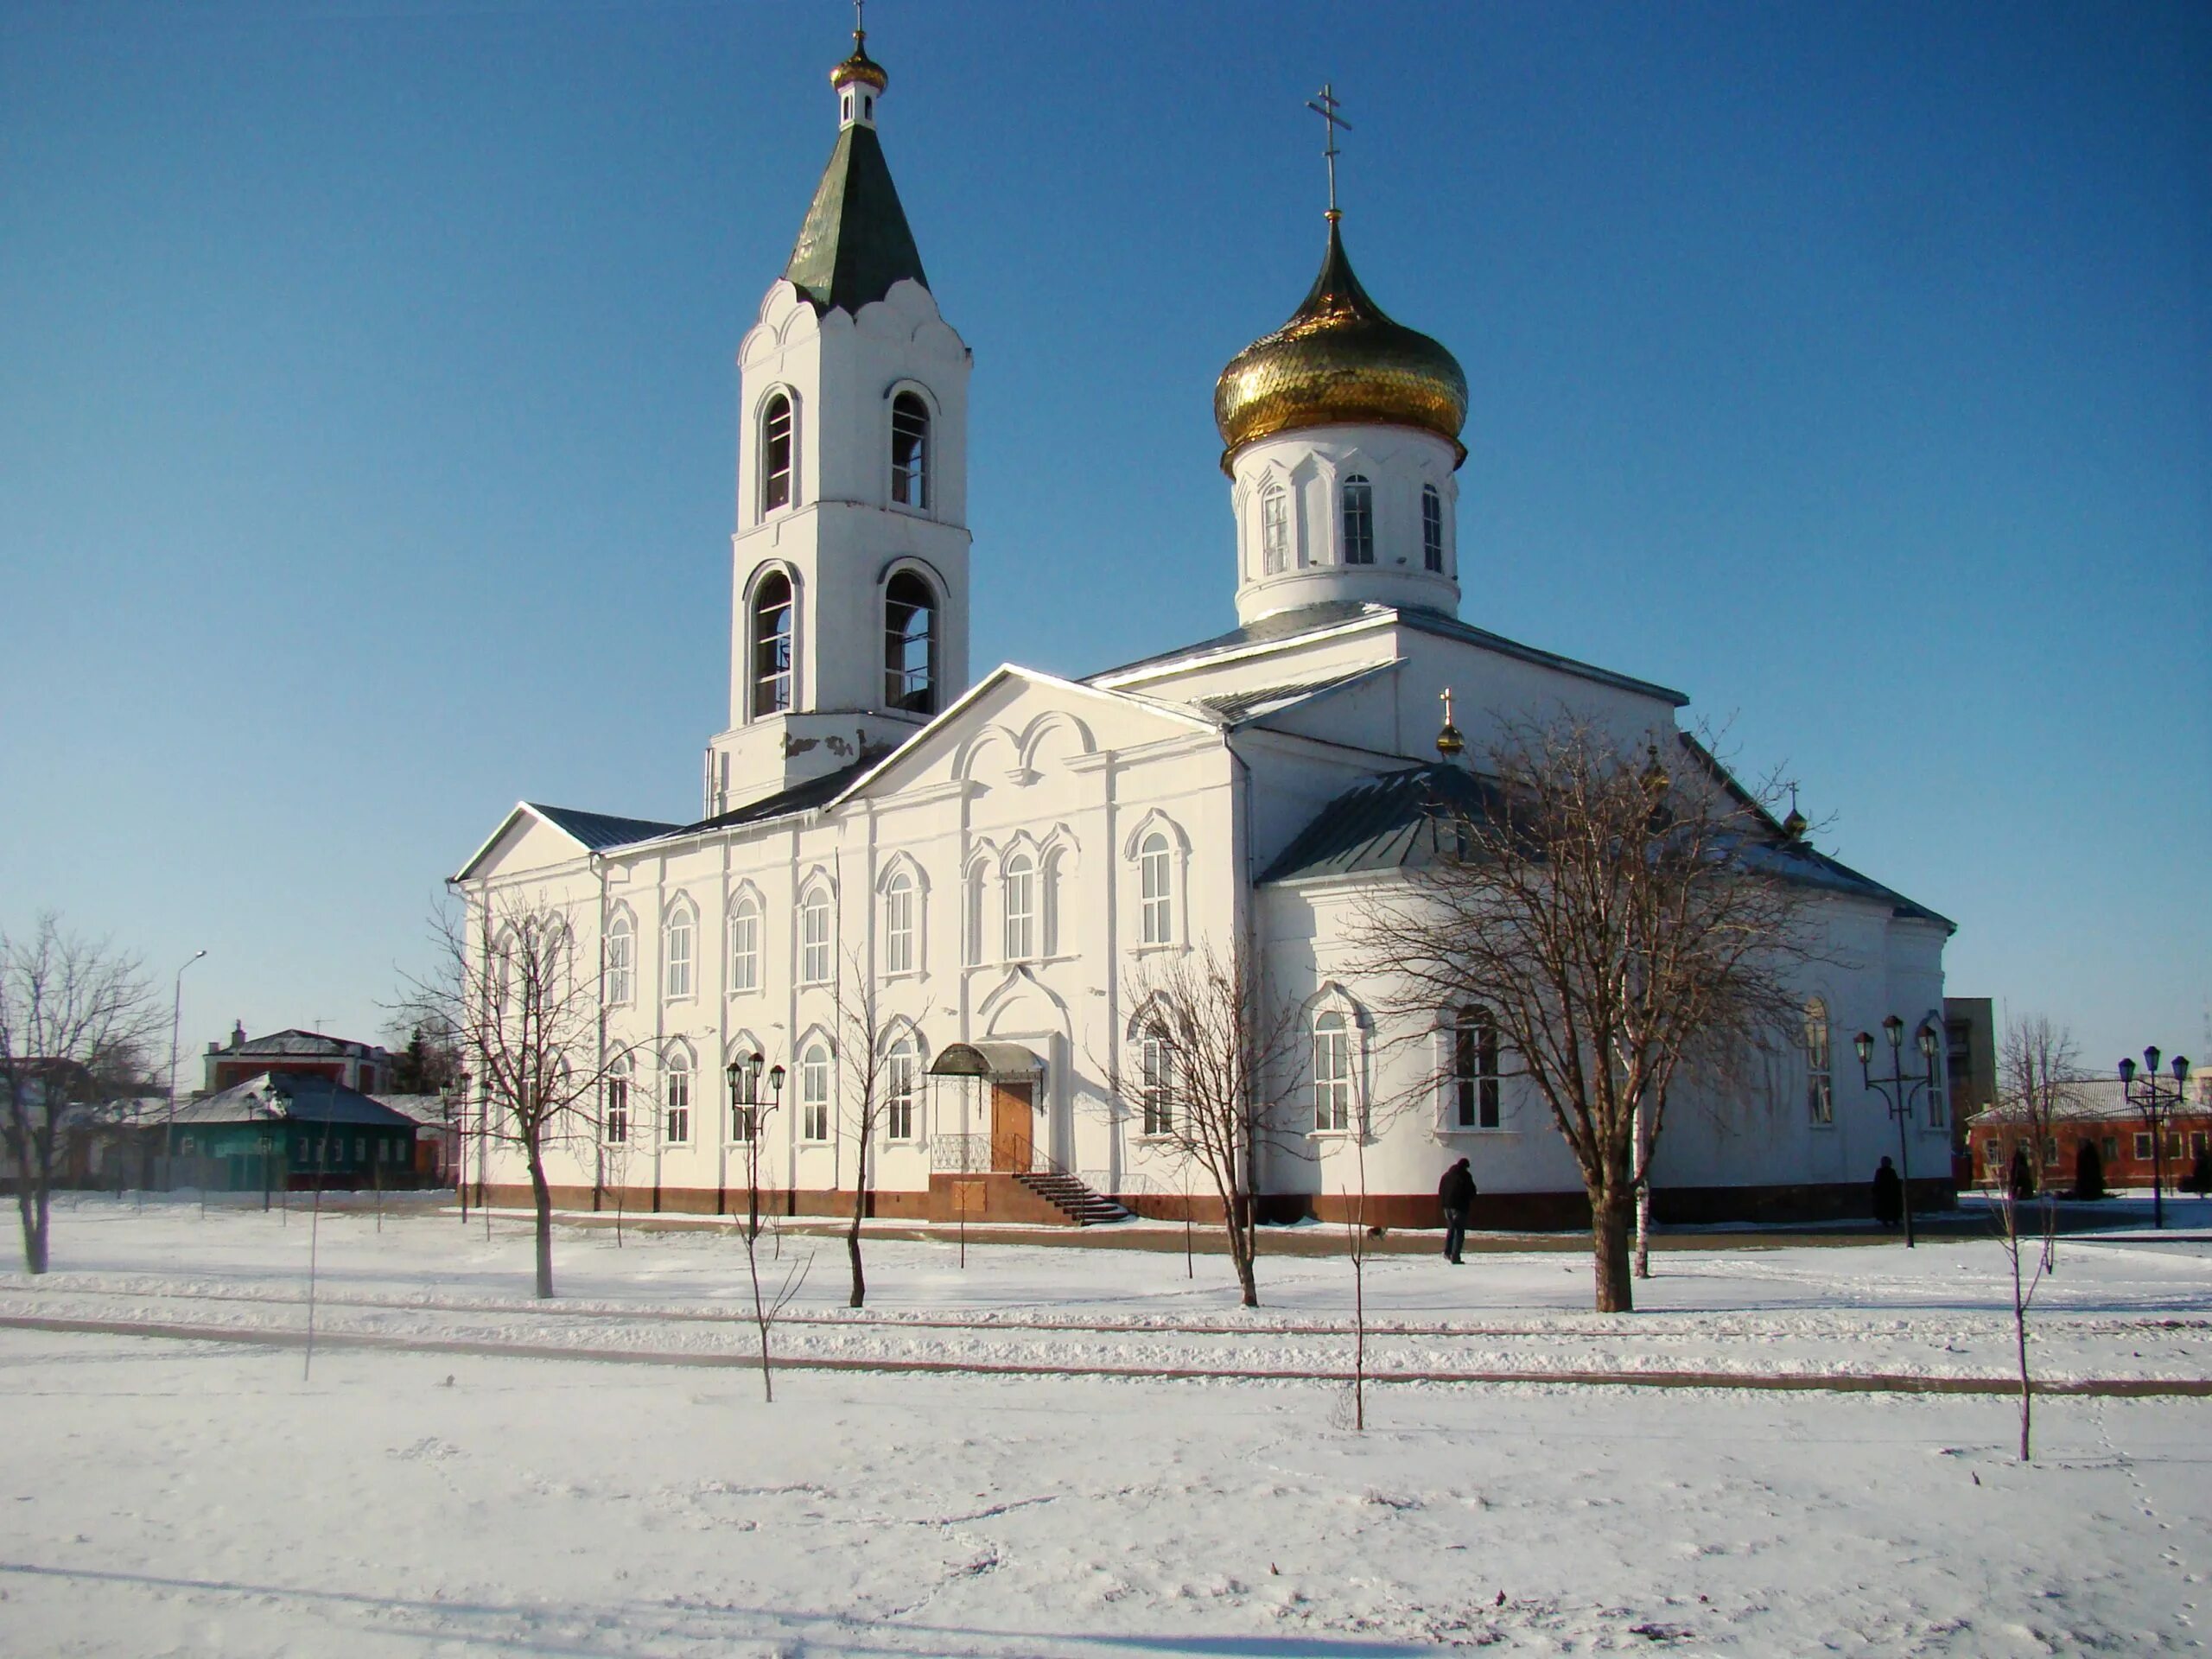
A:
[1456,1193]
[1889,1196]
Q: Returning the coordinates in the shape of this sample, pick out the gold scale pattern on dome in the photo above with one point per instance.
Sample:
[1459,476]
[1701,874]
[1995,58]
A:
[1339,361]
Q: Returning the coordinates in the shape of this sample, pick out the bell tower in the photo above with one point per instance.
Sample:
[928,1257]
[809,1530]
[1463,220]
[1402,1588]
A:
[849,565]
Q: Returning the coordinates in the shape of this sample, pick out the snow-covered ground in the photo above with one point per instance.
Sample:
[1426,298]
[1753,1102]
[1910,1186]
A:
[189,1496]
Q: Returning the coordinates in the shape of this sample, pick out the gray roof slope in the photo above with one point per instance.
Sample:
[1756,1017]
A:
[297,1043]
[1236,707]
[799,797]
[291,1096]
[600,830]
[1336,613]
[1379,824]
[854,242]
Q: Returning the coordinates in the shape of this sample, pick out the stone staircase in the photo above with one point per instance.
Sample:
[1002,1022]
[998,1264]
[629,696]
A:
[1081,1206]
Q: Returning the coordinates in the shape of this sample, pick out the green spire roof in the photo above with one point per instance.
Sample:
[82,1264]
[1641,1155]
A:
[854,242]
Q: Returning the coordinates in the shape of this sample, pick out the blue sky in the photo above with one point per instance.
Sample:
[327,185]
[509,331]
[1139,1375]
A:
[366,415]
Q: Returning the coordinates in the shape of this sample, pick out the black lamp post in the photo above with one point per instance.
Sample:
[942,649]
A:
[1898,1092]
[2157,1104]
[744,1074]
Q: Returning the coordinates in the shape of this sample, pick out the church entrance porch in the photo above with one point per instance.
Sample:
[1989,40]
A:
[1013,1119]
[984,1160]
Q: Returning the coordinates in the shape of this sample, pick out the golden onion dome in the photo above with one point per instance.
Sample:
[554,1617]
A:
[1339,361]
[860,67]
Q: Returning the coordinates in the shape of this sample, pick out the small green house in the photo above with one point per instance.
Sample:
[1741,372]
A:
[287,1131]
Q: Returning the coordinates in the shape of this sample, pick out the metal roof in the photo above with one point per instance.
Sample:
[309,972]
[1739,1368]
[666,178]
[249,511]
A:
[297,1043]
[291,1096]
[985,1060]
[1237,707]
[598,830]
[799,797]
[854,242]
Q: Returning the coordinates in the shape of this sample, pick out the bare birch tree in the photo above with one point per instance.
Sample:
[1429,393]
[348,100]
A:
[1616,922]
[76,1016]
[527,1011]
[1206,1057]
[2038,1070]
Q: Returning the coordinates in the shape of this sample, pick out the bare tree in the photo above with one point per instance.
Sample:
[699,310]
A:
[1207,1051]
[528,1013]
[2005,1215]
[2039,1074]
[76,1017]
[872,1077]
[1616,922]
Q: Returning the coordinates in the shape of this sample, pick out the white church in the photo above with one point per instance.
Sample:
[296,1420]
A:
[1001,856]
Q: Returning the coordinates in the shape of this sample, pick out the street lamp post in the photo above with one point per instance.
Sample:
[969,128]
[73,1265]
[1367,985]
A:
[1898,1092]
[2157,1104]
[744,1074]
[176,1022]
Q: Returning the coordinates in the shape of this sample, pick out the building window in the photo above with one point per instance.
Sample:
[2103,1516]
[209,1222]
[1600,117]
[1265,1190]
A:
[1157,1062]
[910,451]
[1820,1076]
[1021,907]
[1332,1073]
[619,947]
[1157,876]
[899,924]
[900,1072]
[772,645]
[1474,1070]
[1937,1114]
[2111,1148]
[814,1094]
[813,960]
[2142,1147]
[745,944]
[1431,528]
[1275,531]
[910,645]
[776,454]
[680,929]
[677,1081]
[1359,520]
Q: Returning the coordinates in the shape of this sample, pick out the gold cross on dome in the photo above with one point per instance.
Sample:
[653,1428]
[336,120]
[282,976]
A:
[1326,109]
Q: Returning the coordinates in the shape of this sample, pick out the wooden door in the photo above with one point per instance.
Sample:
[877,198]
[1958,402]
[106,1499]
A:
[1012,1135]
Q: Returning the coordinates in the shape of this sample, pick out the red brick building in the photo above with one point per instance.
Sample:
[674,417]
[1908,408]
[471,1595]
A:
[2096,1113]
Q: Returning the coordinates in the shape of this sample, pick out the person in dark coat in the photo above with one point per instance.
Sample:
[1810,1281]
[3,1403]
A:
[1456,1193]
[1889,1195]
[2021,1176]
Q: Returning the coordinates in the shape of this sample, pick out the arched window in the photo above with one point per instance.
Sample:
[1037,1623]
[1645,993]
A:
[814,1094]
[1474,1070]
[676,1085]
[620,948]
[1332,1073]
[1936,1116]
[815,957]
[682,925]
[1275,531]
[899,924]
[776,453]
[910,451]
[901,1076]
[1431,528]
[1156,925]
[772,645]
[1359,520]
[1820,1078]
[745,943]
[1157,1063]
[614,1126]
[910,645]
[1021,907]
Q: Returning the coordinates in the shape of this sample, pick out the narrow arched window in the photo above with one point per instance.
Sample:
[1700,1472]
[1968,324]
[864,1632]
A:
[1431,528]
[676,1083]
[745,944]
[1156,875]
[772,645]
[814,1094]
[910,645]
[1332,1073]
[1474,1070]
[1359,520]
[1275,531]
[614,1125]
[680,927]
[910,451]
[1820,1078]
[899,924]
[1937,1063]
[1157,1063]
[814,953]
[619,946]
[1021,907]
[776,453]
[901,1076]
